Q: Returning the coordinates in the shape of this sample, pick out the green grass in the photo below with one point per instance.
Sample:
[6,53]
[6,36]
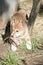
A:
[23,47]
[37,43]
[11,59]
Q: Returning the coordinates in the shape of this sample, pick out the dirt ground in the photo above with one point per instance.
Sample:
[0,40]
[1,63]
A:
[36,58]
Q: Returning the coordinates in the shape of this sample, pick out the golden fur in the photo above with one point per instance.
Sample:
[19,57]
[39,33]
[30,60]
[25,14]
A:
[19,29]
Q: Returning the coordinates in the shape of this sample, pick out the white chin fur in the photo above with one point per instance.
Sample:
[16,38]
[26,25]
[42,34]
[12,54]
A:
[29,46]
[13,48]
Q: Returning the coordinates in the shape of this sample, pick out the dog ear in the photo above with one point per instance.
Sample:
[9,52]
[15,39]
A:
[7,32]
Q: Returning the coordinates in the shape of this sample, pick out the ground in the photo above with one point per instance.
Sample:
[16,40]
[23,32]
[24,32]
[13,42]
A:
[35,58]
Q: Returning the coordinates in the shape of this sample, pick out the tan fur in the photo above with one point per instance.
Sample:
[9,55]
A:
[18,19]
[20,29]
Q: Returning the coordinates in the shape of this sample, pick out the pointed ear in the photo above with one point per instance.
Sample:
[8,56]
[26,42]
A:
[26,17]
